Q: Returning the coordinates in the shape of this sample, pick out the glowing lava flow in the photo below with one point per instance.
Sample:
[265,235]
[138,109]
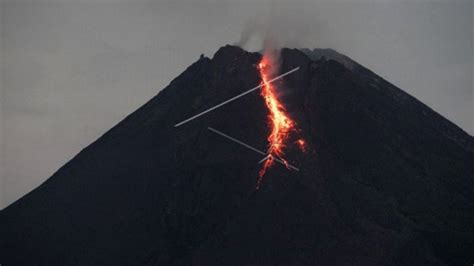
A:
[280,123]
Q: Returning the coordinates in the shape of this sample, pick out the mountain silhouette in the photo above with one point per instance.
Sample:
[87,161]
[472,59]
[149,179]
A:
[385,180]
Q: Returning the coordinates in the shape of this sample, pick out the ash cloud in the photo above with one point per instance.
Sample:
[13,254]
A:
[279,26]
[273,28]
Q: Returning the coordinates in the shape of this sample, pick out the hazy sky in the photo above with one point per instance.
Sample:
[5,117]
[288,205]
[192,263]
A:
[70,70]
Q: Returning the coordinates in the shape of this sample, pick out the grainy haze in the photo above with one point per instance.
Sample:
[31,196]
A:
[73,69]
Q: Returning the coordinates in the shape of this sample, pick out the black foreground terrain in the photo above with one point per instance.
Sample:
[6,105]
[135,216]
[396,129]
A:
[386,180]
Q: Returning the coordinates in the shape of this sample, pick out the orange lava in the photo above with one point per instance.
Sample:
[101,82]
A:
[301,144]
[280,123]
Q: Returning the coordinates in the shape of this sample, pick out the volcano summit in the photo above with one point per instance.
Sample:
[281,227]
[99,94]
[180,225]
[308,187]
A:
[384,179]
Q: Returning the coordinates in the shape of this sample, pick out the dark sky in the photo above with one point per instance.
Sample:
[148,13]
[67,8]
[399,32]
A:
[73,69]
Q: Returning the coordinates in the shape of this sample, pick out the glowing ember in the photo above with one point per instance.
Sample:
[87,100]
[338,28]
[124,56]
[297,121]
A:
[280,123]
[301,144]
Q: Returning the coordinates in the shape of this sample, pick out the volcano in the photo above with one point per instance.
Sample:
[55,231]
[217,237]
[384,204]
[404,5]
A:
[384,179]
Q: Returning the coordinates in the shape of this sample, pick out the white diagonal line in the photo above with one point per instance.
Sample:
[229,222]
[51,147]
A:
[264,159]
[236,140]
[250,147]
[285,164]
[235,97]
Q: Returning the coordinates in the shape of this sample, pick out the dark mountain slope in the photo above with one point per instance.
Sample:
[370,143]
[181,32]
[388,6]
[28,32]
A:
[386,181]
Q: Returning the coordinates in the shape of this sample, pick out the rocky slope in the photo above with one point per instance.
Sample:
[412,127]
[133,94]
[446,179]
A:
[386,180]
